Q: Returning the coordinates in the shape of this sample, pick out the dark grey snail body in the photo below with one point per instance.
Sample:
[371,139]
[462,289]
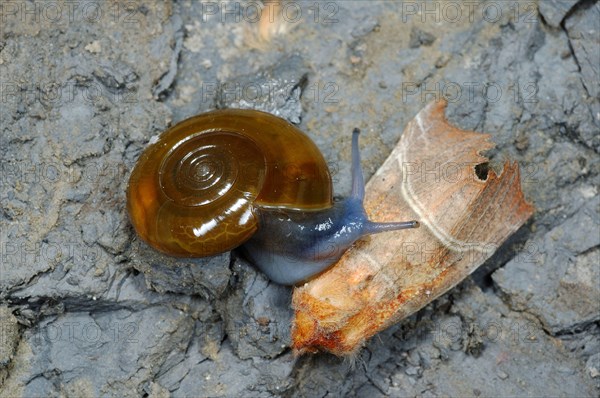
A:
[284,221]
[291,247]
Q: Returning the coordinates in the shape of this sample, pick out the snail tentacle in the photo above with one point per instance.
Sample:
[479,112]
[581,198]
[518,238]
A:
[358,192]
[358,182]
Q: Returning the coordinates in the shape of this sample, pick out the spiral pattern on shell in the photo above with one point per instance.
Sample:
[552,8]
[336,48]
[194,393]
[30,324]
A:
[195,192]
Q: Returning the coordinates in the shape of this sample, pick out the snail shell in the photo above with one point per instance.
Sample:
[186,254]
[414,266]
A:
[195,192]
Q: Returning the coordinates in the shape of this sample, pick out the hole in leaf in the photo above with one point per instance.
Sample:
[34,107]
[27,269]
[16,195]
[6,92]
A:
[481,170]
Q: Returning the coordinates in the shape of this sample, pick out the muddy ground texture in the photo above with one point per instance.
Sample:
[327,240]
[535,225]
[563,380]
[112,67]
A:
[86,309]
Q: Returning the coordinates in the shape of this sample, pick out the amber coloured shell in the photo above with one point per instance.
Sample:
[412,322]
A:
[195,191]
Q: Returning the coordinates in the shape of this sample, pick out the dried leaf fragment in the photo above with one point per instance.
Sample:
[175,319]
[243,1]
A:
[431,176]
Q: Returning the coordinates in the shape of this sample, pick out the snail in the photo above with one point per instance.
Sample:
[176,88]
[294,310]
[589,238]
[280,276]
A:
[246,179]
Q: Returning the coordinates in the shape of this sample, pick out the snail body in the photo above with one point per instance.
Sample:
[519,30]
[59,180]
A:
[247,179]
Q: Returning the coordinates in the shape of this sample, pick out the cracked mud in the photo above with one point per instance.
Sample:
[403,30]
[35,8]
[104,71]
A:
[88,310]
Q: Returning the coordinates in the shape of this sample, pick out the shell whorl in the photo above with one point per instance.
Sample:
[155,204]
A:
[195,191]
